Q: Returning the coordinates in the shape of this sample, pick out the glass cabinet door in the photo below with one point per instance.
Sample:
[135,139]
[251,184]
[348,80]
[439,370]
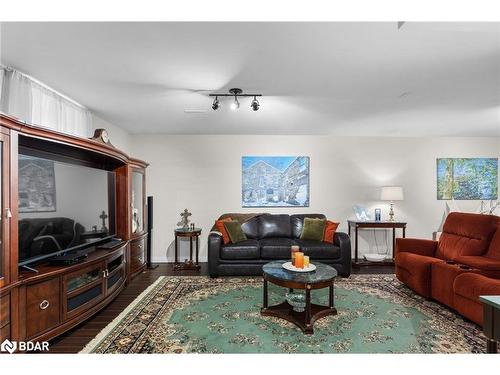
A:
[5,212]
[137,202]
[1,217]
[83,288]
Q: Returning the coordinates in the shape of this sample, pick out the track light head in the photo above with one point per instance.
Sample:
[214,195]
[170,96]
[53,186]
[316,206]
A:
[216,104]
[236,104]
[255,104]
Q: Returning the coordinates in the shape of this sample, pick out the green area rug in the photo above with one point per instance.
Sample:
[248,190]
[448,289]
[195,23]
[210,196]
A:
[376,314]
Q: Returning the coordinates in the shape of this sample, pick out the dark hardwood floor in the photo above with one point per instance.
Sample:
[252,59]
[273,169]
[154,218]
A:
[75,340]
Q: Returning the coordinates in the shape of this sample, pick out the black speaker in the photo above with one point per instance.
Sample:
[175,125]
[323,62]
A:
[150,233]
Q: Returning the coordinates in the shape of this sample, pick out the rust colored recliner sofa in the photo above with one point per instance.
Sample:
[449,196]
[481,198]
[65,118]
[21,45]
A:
[457,269]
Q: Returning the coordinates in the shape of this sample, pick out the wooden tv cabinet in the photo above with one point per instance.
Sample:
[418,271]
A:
[40,306]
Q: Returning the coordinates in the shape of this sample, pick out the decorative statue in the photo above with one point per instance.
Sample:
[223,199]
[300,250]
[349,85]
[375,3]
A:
[135,215]
[103,217]
[185,219]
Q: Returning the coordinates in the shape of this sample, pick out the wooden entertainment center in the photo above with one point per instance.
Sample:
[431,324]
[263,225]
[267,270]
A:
[38,306]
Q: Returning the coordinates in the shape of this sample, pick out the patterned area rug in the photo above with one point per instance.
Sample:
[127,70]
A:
[376,314]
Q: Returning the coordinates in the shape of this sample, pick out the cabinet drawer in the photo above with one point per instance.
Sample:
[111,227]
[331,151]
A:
[42,306]
[138,247]
[4,310]
[137,261]
[137,255]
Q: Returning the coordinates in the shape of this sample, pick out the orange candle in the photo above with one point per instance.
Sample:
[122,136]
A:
[295,250]
[299,260]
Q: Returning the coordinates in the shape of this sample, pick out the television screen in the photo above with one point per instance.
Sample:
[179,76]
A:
[62,206]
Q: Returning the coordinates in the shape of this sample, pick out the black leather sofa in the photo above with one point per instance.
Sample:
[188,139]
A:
[270,238]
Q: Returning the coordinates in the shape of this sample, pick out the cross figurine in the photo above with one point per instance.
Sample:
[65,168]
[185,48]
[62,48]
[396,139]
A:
[103,217]
[185,219]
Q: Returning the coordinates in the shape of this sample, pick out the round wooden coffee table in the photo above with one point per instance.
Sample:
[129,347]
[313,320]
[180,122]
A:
[322,277]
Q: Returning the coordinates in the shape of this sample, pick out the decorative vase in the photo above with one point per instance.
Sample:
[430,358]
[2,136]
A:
[296,300]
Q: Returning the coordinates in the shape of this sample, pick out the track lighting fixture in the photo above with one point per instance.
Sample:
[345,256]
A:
[216,104]
[255,104]
[236,92]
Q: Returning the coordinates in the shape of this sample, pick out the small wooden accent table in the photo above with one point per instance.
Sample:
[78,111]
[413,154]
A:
[372,225]
[188,264]
[322,277]
[491,321]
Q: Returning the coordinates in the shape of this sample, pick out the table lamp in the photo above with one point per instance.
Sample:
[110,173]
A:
[391,194]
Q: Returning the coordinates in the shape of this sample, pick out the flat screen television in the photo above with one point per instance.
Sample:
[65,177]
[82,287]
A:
[64,206]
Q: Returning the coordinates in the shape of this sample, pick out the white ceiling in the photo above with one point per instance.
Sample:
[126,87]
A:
[317,78]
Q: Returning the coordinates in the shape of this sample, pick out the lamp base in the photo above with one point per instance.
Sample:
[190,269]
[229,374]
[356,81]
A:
[391,213]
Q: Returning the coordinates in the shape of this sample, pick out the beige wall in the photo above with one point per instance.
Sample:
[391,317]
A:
[203,174]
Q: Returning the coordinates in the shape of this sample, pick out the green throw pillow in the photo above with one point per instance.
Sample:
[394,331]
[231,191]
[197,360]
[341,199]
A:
[313,229]
[234,231]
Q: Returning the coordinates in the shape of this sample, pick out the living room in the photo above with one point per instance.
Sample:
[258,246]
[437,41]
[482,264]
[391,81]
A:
[253,186]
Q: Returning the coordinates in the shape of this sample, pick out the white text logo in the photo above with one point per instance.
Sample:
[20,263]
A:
[23,346]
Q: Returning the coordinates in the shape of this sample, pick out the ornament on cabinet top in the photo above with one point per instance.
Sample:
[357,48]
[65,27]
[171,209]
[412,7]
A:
[102,135]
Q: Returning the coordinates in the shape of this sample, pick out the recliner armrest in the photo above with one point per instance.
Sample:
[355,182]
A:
[416,246]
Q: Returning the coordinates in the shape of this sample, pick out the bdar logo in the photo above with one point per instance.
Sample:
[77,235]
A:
[8,346]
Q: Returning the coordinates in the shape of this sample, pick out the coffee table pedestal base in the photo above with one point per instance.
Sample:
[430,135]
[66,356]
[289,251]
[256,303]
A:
[304,320]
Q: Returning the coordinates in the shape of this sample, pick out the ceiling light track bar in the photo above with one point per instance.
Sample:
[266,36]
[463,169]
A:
[233,95]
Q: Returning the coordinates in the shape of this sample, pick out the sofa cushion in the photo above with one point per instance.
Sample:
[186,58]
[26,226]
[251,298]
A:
[297,222]
[415,271]
[234,231]
[314,229]
[276,248]
[330,229]
[251,227]
[319,250]
[248,249]
[466,234]
[219,225]
[275,226]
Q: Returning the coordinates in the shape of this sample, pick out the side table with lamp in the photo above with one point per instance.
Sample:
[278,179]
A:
[391,194]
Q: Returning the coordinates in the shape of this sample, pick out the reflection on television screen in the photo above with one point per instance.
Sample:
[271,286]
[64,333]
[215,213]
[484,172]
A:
[62,206]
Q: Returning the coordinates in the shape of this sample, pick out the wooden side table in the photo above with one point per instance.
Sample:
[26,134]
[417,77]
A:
[373,225]
[188,264]
[491,321]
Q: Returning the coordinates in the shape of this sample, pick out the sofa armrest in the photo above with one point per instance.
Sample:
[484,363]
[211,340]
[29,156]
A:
[416,246]
[214,245]
[343,241]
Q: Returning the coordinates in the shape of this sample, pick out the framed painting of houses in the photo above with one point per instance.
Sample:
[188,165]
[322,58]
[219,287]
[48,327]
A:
[275,181]
[37,186]
[467,178]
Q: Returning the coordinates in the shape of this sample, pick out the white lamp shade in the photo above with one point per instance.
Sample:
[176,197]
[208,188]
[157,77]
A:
[391,193]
